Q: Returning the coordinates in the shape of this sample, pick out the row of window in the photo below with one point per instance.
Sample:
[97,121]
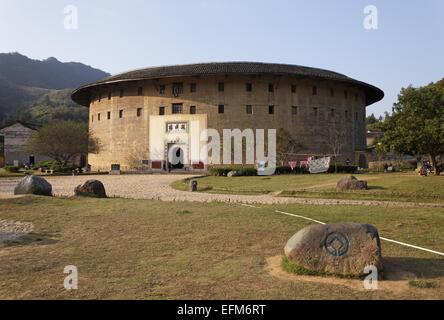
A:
[177,108]
[108,114]
[177,88]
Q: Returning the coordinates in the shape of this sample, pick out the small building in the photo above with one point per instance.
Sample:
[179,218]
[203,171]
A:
[13,139]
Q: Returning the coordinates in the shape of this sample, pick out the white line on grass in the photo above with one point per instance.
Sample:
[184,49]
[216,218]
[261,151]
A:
[382,238]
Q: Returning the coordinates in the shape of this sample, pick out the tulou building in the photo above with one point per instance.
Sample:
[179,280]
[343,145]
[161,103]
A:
[144,117]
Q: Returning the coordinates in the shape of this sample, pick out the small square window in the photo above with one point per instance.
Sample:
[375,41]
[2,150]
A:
[249,109]
[120,113]
[270,87]
[161,111]
[140,91]
[270,109]
[294,110]
[221,86]
[98,116]
[315,90]
[108,115]
[249,87]
[177,108]
[221,108]
[162,89]
[193,87]
[293,88]
[192,109]
[122,92]
[315,112]
[139,112]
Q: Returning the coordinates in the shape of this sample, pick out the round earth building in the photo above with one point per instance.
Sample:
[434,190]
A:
[139,116]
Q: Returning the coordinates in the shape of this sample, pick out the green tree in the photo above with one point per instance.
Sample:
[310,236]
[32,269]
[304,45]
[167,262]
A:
[62,141]
[416,126]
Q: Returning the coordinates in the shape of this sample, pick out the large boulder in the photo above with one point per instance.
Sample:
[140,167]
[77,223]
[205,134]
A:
[33,185]
[91,188]
[351,183]
[341,249]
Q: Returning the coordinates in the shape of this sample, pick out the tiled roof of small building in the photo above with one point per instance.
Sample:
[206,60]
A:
[82,94]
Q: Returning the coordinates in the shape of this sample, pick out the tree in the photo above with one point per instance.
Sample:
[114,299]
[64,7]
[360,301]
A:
[286,146]
[62,141]
[416,126]
[336,142]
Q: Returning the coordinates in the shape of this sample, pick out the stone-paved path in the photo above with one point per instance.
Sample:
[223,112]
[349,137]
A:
[158,187]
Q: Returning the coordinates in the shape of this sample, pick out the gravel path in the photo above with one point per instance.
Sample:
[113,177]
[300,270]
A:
[10,230]
[158,187]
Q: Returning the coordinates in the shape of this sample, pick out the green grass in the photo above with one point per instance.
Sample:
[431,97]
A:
[143,249]
[382,186]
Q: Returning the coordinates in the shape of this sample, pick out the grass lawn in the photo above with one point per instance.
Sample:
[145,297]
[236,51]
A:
[162,250]
[382,186]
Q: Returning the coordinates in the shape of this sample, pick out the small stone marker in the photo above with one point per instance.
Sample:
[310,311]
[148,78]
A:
[193,185]
[341,249]
[33,185]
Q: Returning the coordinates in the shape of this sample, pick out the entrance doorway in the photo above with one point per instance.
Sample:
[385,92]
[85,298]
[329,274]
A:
[176,158]
[363,161]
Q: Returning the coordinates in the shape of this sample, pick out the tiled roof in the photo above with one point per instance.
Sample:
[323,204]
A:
[82,95]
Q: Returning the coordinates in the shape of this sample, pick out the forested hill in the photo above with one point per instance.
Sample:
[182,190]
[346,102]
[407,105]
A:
[39,90]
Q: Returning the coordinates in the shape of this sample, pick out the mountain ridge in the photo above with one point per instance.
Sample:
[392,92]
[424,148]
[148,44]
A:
[39,90]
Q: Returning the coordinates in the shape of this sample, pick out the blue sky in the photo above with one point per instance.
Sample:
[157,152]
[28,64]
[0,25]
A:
[407,48]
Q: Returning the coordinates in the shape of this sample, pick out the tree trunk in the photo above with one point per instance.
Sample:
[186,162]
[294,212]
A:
[434,165]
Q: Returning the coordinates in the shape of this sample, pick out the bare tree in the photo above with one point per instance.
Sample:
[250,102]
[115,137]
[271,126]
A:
[286,146]
[336,142]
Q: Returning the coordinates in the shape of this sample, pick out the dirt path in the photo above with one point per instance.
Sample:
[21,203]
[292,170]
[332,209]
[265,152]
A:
[158,187]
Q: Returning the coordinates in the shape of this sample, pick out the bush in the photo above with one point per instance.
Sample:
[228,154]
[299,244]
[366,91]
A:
[223,171]
[12,169]
[342,168]
[45,164]
[287,170]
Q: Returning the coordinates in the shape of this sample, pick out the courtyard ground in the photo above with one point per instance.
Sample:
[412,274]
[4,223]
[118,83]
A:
[162,250]
[225,249]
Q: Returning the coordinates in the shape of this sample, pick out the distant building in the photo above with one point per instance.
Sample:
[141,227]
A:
[13,139]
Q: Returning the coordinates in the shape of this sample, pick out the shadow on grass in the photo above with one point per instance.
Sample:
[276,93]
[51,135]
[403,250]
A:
[376,188]
[30,239]
[404,268]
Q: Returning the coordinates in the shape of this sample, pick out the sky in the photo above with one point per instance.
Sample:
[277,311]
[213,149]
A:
[116,36]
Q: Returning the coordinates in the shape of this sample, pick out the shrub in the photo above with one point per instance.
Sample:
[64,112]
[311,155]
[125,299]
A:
[343,168]
[45,164]
[287,170]
[12,169]
[223,171]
